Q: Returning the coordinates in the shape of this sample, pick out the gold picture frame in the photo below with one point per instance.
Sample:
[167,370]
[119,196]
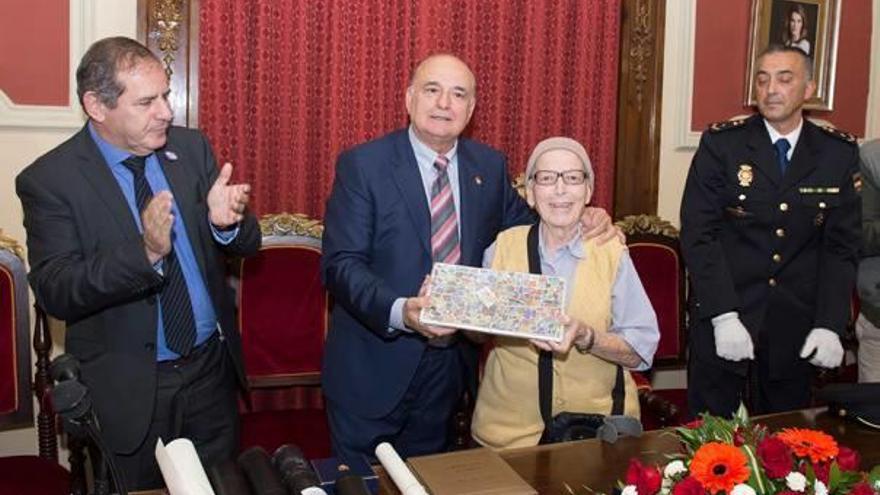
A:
[811,25]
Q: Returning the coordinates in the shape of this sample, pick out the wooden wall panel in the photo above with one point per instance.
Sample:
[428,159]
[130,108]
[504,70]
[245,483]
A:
[639,107]
[170,28]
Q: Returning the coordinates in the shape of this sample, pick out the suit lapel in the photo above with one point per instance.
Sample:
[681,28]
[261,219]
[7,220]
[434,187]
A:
[409,181]
[469,187]
[762,151]
[802,161]
[97,173]
[186,196]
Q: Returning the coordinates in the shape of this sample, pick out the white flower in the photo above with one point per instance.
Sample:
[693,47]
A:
[629,490]
[742,489]
[820,488]
[796,481]
[674,468]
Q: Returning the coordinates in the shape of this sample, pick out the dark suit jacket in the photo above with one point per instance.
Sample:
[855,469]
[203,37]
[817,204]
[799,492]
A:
[377,248]
[88,268]
[781,250]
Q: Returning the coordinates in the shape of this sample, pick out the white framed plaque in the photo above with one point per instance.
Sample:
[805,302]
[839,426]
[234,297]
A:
[515,304]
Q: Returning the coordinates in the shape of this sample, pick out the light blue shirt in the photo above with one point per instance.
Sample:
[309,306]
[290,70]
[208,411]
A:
[425,157]
[203,308]
[632,316]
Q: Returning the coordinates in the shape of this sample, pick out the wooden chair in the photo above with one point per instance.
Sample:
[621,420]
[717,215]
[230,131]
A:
[29,474]
[283,312]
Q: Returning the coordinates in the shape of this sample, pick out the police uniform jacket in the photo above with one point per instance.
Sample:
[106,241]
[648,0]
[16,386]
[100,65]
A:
[779,249]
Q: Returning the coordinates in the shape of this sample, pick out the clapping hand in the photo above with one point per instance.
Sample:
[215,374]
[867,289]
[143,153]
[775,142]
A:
[227,202]
[157,220]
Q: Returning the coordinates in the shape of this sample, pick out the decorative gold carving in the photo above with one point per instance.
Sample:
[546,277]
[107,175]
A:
[290,224]
[10,244]
[167,17]
[641,51]
[519,183]
[646,224]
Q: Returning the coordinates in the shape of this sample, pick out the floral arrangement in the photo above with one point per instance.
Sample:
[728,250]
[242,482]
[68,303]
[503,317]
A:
[736,457]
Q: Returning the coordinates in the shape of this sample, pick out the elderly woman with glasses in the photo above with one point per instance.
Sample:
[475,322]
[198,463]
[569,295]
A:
[609,320]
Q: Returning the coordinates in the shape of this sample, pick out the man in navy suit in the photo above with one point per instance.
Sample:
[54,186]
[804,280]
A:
[386,376]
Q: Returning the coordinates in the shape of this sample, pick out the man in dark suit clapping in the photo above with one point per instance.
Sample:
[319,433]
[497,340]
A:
[128,226]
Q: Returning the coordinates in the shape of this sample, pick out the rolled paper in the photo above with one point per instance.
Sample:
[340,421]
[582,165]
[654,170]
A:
[396,468]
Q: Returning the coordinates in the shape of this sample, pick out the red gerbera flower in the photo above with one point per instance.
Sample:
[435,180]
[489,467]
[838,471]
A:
[719,466]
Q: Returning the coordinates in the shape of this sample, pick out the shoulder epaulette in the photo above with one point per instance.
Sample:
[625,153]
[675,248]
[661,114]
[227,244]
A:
[835,132]
[725,125]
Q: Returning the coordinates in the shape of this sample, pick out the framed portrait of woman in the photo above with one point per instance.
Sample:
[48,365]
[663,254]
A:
[809,25]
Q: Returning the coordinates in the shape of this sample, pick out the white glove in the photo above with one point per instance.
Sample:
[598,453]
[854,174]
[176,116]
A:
[826,344]
[732,340]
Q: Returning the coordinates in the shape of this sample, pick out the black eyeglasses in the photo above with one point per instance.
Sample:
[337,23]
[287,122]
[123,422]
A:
[569,177]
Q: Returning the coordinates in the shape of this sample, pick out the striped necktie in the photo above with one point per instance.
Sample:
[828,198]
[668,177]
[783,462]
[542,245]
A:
[177,312]
[444,223]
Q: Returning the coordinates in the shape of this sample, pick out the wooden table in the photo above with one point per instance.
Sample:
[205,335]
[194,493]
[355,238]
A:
[598,465]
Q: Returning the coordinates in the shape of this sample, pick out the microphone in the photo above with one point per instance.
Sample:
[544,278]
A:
[71,400]
[227,479]
[257,467]
[349,483]
[296,473]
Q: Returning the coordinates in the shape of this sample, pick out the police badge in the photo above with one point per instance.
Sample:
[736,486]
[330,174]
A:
[745,175]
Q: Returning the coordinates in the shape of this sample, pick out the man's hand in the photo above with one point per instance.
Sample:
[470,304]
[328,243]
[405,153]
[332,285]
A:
[227,202]
[597,223]
[826,345]
[575,331]
[412,308]
[157,221]
[732,340]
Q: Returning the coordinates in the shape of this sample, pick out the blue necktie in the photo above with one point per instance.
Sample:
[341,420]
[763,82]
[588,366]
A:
[782,146]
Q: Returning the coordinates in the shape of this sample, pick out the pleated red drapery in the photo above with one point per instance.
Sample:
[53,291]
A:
[285,85]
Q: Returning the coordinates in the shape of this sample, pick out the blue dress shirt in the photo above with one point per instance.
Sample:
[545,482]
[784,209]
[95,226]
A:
[203,308]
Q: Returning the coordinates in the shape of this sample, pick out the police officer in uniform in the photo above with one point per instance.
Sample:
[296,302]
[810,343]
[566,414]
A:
[770,235]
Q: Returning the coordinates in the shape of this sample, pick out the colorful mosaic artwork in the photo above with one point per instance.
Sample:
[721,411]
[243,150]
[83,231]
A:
[506,303]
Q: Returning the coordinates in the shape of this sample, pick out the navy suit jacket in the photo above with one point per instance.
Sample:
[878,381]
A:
[377,248]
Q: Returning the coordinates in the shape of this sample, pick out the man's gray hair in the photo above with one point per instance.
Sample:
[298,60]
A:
[101,64]
[776,48]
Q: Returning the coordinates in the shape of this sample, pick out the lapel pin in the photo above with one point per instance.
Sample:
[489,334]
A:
[170,155]
[745,175]
[478,180]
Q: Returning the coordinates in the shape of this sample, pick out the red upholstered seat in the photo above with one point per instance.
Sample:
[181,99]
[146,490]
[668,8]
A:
[283,312]
[16,406]
[27,474]
[653,247]
[32,475]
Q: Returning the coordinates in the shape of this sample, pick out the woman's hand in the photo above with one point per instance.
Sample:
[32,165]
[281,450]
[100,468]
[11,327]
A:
[576,331]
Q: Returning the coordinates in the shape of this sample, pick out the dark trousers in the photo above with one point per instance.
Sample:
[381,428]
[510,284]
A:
[195,399]
[719,391]
[418,425]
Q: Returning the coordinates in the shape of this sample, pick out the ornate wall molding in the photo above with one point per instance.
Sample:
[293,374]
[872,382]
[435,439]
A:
[170,28]
[82,34]
[681,28]
[640,90]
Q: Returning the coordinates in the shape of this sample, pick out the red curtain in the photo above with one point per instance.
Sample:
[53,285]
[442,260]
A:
[285,85]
